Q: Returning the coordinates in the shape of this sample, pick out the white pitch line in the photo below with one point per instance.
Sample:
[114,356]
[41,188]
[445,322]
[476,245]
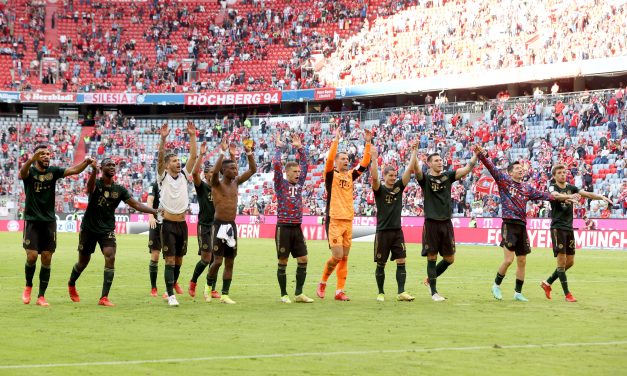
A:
[308,354]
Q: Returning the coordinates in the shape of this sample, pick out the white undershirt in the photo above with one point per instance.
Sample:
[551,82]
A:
[174,194]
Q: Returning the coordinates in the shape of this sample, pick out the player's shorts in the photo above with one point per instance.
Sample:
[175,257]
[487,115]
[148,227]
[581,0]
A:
[438,237]
[289,239]
[515,238]
[219,247]
[388,242]
[204,238]
[340,232]
[154,238]
[563,241]
[87,241]
[40,236]
[174,238]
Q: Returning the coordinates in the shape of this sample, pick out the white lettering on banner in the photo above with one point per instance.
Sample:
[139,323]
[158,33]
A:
[539,224]
[113,98]
[218,99]
[456,222]
[494,236]
[248,231]
[313,232]
[364,221]
[487,223]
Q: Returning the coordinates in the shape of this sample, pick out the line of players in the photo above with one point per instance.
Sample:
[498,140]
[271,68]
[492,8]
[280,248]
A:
[217,232]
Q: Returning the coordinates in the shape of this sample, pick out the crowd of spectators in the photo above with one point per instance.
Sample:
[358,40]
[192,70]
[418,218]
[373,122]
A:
[179,46]
[152,46]
[465,37]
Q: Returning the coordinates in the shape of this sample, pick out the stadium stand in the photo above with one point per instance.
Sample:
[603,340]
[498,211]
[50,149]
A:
[249,45]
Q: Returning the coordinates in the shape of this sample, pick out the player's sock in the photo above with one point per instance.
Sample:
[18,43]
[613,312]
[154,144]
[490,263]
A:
[519,285]
[153,270]
[329,267]
[553,277]
[168,274]
[281,275]
[342,273]
[107,281]
[226,285]
[401,275]
[44,278]
[177,272]
[433,275]
[561,272]
[301,274]
[379,275]
[74,275]
[200,267]
[211,281]
[441,267]
[499,279]
[29,271]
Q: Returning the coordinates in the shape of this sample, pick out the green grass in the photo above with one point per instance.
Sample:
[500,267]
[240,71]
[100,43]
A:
[468,334]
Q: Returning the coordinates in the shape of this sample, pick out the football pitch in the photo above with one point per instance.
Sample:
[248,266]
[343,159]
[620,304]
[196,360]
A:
[469,334]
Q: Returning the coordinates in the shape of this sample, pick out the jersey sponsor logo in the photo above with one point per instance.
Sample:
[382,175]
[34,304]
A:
[389,199]
[293,189]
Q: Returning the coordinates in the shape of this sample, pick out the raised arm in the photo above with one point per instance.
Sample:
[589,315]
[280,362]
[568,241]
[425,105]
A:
[374,170]
[461,172]
[78,168]
[418,169]
[199,162]
[410,166]
[328,167]
[25,170]
[164,132]
[302,158]
[483,157]
[215,177]
[252,166]
[91,183]
[141,207]
[277,166]
[365,161]
[193,149]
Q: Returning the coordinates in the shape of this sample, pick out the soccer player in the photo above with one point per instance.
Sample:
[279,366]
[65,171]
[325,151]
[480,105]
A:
[514,196]
[389,238]
[289,238]
[438,236]
[224,230]
[154,239]
[98,226]
[173,184]
[40,228]
[206,214]
[562,233]
[338,181]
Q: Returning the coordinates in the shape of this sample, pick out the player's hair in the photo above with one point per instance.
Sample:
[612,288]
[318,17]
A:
[290,165]
[432,155]
[511,166]
[168,156]
[105,161]
[388,169]
[40,146]
[227,162]
[557,168]
[337,156]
